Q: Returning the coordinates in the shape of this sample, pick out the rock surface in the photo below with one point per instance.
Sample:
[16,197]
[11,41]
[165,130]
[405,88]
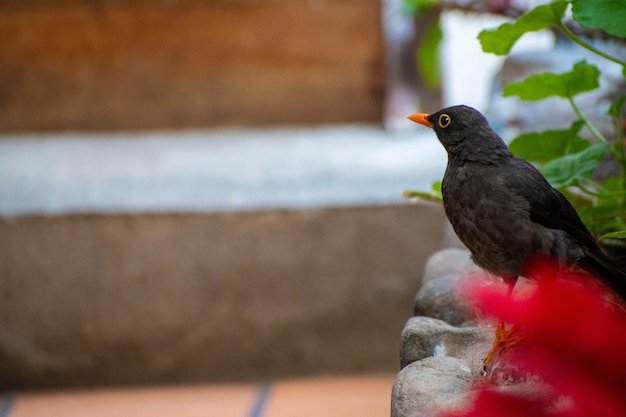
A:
[443,346]
[438,299]
[425,337]
[428,385]
[447,261]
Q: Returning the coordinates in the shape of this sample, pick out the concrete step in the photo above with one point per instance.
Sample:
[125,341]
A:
[209,256]
[199,171]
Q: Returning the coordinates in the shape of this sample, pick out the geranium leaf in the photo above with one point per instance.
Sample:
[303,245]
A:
[608,15]
[611,193]
[411,7]
[603,219]
[568,169]
[582,77]
[615,109]
[500,40]
[428,62]
[615,235]
[541,147]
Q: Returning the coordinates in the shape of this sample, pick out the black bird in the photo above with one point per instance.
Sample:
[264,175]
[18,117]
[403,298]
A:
[504,210]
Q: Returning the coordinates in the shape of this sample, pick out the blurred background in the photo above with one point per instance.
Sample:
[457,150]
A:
[211,191]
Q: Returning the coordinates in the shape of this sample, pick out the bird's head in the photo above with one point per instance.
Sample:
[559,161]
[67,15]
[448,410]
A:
[464,132]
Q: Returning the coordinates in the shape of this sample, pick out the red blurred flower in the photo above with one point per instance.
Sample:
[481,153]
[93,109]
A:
[573,340]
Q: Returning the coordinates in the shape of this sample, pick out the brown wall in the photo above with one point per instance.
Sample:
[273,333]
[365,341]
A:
[84,65]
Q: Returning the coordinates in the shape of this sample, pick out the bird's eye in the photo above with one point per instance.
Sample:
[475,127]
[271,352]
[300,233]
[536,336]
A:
[444,120]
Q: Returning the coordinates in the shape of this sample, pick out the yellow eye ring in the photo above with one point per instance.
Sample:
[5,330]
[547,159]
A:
[444,120]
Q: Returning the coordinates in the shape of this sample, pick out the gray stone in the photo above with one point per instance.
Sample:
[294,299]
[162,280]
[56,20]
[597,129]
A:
[425,337]
[447,261]
[438,297]
[429,385]
[441,299]
[443,349]
[426,388]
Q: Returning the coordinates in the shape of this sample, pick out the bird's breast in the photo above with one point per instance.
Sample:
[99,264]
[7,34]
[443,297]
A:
[480,210]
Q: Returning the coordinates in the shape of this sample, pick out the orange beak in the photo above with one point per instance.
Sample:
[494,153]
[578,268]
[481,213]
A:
[421,119]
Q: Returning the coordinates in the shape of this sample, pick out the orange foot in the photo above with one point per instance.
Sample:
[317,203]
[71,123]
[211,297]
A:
[505,339]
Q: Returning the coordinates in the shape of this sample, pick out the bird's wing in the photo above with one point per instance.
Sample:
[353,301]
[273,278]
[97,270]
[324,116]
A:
[547,206]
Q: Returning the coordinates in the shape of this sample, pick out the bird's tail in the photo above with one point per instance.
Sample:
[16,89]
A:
[598,264]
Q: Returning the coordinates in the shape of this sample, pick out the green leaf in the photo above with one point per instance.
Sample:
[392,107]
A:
[436,187]
[541,147]
[604,219]
[565,171]
[615,235]
[608,15]
[428,62]
[410,7]
[613,185]
[611,193]
[615,109]
[617,150]
[582,77]
[500,40]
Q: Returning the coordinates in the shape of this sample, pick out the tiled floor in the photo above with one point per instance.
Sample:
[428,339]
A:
[327,397]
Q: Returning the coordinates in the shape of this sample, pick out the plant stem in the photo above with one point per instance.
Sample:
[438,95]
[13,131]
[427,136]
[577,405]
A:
[620,152]
[596,134]
[422,195]
[592,188]
[589,188]
[585,45]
